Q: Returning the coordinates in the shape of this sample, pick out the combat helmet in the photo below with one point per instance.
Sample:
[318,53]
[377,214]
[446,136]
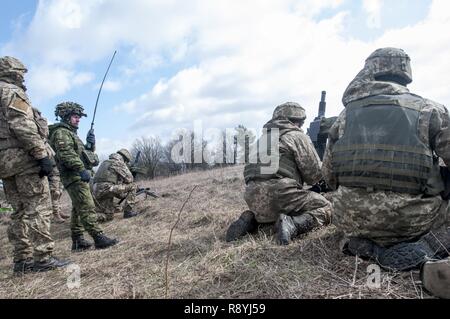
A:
[11,66]
[125,154]
[66,109]
[289,110]
[390,63]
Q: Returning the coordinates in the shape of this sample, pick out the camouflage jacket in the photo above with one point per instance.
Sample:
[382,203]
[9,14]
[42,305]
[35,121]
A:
[71,154]
[298,146]
[114,170]
[305,155]
[22,141]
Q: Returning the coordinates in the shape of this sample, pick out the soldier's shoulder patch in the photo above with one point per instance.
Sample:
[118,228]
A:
[19,104]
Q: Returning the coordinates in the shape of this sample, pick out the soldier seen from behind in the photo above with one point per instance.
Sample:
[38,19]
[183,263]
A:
[280,197]
[383,158]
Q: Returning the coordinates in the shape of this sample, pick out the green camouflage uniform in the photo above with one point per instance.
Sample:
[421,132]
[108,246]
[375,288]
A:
[114,180]
[270,196]
[389,217]
[22,143]
[70,160]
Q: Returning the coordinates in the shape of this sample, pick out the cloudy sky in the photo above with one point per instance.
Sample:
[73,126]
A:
[222,62]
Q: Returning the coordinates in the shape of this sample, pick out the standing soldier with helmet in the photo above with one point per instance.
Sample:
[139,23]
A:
[25,163]
[114,180]
[75,164]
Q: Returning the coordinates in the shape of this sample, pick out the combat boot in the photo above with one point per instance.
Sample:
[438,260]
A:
[102,242]
[129,214]
[362,247]
[244,225]
[79,243]
[50,264]
[23,267]
[435,276]
[407,256]
[289,227]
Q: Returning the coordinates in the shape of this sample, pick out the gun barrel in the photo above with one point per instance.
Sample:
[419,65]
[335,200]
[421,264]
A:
[322,104]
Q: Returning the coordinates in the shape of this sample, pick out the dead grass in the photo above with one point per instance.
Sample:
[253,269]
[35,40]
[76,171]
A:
[202,264]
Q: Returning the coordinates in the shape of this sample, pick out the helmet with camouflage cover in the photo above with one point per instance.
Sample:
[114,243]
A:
[10,65]
[125,154]
[289,110]
[390,63]
[66,109]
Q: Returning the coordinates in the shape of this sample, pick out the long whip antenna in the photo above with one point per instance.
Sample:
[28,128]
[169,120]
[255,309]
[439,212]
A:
[101,87]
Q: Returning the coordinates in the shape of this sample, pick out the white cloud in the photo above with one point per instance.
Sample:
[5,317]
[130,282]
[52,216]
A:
[226,62]
[48,81]
[373,10]
[112,86]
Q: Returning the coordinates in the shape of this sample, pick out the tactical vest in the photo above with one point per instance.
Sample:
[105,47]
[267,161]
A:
[287,167]
[381,148]
[104,174]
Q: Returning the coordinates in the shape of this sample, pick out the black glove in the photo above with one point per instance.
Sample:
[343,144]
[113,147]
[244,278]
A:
[90,138]
[320,187]
[85,176]
[46,165]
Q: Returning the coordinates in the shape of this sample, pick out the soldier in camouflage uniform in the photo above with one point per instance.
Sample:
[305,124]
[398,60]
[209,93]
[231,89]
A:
[75,163]
[114,180]
[54,179]
[279,196]
[25,163]
[383,158]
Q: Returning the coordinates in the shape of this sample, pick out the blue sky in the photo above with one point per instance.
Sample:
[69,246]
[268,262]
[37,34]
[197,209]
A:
[222,62]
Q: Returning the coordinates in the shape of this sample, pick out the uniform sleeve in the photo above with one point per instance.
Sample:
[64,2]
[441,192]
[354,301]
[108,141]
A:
[308,162]
[122,170]
[440,134]
[22,124]
[65,151]
[327,169]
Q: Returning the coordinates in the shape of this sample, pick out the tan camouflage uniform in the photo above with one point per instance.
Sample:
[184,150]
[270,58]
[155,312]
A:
[268,199]
[54,179]
[114,182]
[387,217]
[22,143]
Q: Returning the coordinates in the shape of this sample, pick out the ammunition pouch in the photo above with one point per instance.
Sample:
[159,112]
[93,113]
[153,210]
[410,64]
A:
[90,159]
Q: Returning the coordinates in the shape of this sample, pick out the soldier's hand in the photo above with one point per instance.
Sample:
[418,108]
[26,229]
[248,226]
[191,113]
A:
[46,165]
[85,176]
[90,138]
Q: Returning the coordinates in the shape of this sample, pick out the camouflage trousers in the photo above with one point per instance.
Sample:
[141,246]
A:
[56,189]
[83,210]
[112,199]
[387,218]
[29,229]
[268,199]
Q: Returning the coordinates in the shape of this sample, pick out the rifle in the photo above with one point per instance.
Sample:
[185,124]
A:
[89,146]
[147,191]
[319,128]
[139,191]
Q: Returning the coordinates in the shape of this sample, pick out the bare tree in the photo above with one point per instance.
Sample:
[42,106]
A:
[152,153]
[243,140]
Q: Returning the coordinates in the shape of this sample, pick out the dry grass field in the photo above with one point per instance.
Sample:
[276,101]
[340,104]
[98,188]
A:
[201,264]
